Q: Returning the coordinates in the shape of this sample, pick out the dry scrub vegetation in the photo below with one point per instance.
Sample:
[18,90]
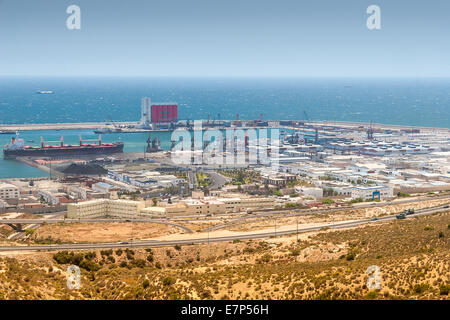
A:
[413,256]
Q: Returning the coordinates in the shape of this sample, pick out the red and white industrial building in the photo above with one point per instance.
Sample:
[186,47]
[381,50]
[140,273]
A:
[157,114]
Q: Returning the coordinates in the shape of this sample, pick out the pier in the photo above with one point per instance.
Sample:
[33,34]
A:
[132,126]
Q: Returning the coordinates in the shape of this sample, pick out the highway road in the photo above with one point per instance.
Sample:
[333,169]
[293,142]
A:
[299,212]
[247,236]
[192,180]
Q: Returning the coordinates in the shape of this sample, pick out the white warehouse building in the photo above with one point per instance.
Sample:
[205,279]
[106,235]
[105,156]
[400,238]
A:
[372,193]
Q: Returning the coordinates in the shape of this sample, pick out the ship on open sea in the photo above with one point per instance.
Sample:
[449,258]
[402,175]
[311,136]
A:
[17,148]
[44,92]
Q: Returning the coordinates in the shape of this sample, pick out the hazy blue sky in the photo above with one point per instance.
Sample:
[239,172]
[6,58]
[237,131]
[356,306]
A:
[225,38]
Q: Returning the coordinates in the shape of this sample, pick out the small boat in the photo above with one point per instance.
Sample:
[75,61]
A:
[107,130]
[44,92]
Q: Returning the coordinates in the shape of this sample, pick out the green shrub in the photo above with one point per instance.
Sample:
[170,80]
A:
[140,263]
[30,231]
[266,258]
[327,201]
[444,289]
[106,252]
[278,193]
[403,194]
[90,255]
[167,281]
[89,265]
[371,295]
[420,288]
[350,256]
[65,257]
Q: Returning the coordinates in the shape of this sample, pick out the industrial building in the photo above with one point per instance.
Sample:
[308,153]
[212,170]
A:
[145,179]
[105,208]
[157,114]
[372,193]
[133,209]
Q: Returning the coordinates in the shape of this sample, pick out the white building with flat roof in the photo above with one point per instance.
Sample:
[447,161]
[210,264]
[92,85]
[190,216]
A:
[105,208]
[372,193]
[310,191]
[8,191]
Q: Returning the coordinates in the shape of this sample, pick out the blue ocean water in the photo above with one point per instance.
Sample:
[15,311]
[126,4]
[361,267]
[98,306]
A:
[134,142]
[421,102]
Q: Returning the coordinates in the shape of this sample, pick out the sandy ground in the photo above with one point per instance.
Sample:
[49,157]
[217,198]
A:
[228,233]
[102,232]
[11,215]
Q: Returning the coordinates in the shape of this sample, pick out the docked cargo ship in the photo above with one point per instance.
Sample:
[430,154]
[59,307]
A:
[17,148]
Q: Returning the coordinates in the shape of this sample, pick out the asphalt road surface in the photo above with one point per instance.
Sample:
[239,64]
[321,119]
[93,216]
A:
[248,236]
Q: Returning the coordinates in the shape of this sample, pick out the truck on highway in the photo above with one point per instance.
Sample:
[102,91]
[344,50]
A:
[401,216]
[409,211]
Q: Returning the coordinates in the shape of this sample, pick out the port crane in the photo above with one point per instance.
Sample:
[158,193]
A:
[237,123]
[310,126]
[308,121]
[370,131]
[255,124]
